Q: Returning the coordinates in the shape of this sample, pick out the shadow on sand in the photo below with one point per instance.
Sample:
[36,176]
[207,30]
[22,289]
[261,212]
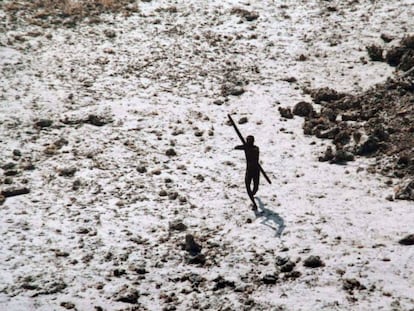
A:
[270,218]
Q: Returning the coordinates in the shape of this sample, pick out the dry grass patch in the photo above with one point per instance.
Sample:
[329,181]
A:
[66,12]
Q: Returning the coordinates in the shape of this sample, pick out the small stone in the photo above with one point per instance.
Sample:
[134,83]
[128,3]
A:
[405,191]
[14,191]
[109,33]
[67,172]
[171,152]
[222,283]
[408,240]
[44,123]
[119,272]
[127,295]
[173,195]
[243,120]
[9,166]
[269,279]
[280,261]
[67,305]
[303,109]
[163,193]
[286,112]
[351,284]
[177,225]
[313,262]
[375,53]
[288,267]
[11,173]
[82,230]
[96,120]
[191,245]
[17,153]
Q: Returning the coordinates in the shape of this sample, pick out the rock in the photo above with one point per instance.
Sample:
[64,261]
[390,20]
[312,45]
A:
[17,153]
[243,120]
[177,225]
[163,193]
[286,112]
[82,230]
[195,279]
[303,109]
[375,53]
[293,275]
[60,143]
[342,138]
[407,61]
[270,279]
[2,199]
[352,284]
[236,91]
[408,240]
[290,79]
[11,173]
[8,166]
[42,123]
[119,272]
[96,120]
[14,191]
[408,42]
[221,283]
[288,267]
[386,37]
[370,146]
[67,305]
[173,195]
[313,262]
[342,156]
[394,55]
[191,245]
[109,33]
[329,113]
[280,261]
[231,89]
[325,95]
[405,191]
[245,14]
[67,171]
[127,295]
[171,152]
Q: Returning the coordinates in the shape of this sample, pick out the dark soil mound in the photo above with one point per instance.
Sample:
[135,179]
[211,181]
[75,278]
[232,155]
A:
[376,123]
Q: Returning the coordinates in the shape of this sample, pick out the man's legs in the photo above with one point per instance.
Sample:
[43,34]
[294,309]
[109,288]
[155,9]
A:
[248,180]
[256,179]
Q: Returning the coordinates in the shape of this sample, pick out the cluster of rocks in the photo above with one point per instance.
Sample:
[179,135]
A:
[376,123]
[400,56]
[12,181]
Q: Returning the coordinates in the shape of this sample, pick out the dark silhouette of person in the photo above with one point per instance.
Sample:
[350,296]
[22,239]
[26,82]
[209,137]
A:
[252,169]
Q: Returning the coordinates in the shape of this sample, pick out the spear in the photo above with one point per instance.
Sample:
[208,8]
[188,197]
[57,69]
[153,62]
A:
[244,142]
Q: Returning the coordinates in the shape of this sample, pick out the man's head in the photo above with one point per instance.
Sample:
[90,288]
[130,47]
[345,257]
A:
[250,140]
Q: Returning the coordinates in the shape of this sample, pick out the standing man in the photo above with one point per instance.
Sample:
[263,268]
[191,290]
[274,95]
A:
[252,169]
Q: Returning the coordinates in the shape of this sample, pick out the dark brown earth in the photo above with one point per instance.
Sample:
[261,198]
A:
[377,123]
